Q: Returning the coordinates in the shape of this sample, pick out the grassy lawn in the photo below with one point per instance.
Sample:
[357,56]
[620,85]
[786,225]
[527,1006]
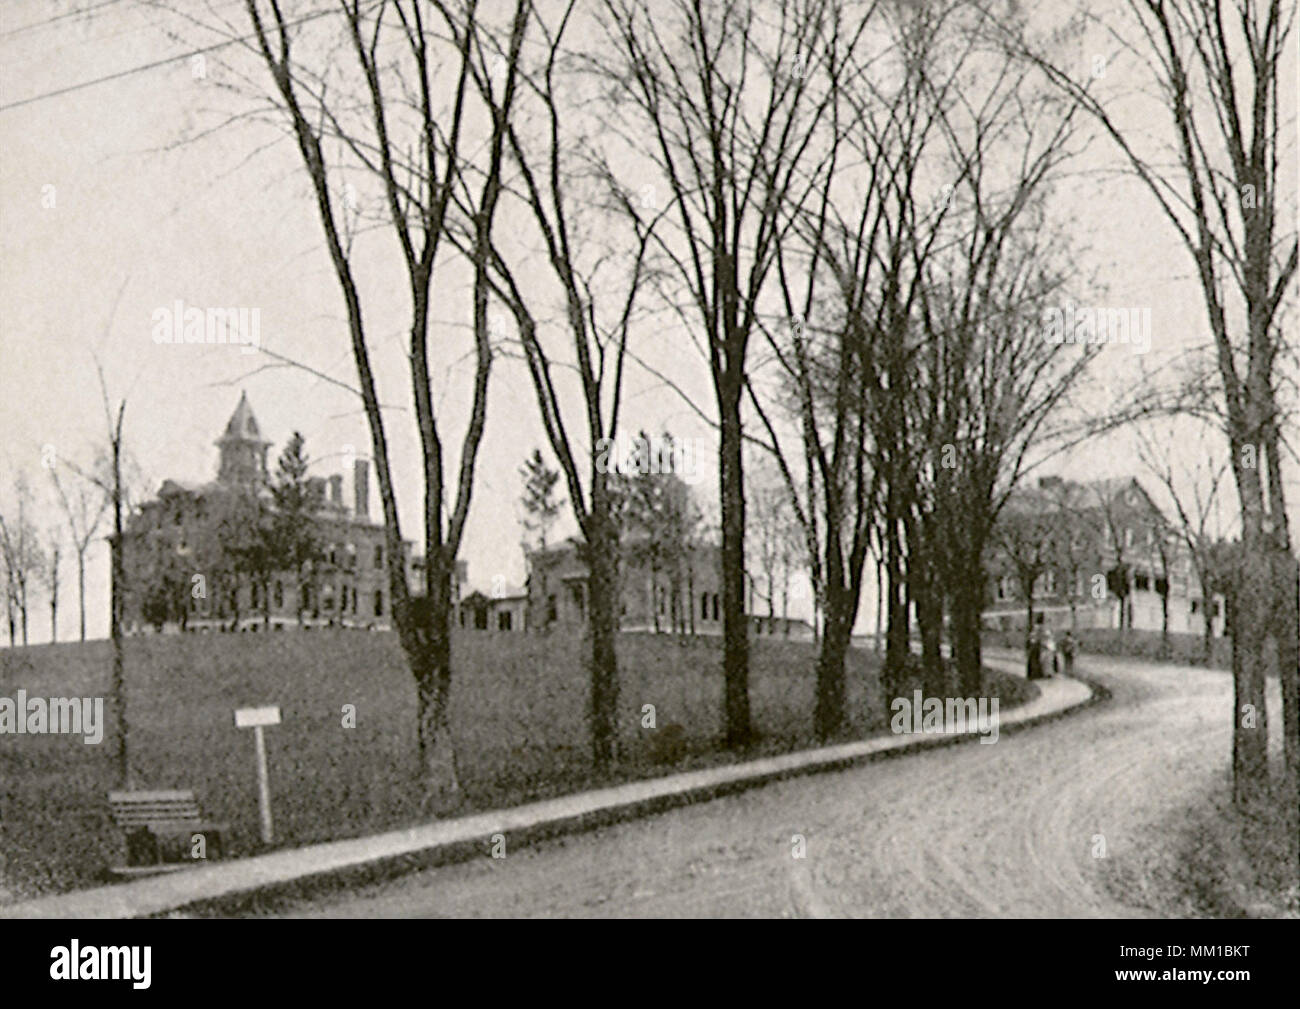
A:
[518,716]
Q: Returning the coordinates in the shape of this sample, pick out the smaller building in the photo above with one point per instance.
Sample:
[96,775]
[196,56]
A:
[686,599]
[504,610]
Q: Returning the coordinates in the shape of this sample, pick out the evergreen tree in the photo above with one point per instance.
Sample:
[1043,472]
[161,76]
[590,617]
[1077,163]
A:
[295,541]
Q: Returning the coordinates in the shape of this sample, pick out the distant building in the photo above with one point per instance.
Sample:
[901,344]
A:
[1112,555]
[686,602]
[505,609]
[348,587]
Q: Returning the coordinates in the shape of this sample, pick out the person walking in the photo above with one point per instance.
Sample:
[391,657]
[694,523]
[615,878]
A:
[1067,652]
[1034,660]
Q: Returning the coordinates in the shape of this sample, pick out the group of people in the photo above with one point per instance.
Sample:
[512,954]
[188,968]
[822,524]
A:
[1044,654]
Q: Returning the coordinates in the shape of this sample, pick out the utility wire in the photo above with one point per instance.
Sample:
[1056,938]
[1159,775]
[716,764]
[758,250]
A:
[57,18]
[130,71]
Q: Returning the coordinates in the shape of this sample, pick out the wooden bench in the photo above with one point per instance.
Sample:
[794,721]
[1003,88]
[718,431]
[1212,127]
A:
[160,829]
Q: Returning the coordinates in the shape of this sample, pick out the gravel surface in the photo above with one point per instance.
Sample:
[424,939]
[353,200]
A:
[1068,819]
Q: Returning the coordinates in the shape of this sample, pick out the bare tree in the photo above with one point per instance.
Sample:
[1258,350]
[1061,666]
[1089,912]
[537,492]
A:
[21,550]
[83,510]
[1195,492]
[776,539]
[721,108]
[1028,541]
[595,279]
[50,577]
[387,121]
[1216,66]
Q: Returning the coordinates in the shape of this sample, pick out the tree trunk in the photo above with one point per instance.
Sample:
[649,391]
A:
[1250,625]
[897,633]
[966,644]
[828,720]
[690,595]
[1207,625]
[430,662]
[117,600]
[1287,596]
[735,635]
[1031,663]
[602,633]
[81,590]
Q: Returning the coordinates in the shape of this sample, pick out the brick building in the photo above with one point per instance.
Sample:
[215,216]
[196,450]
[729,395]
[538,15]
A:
[1101,554]
[687,602]
[170,538]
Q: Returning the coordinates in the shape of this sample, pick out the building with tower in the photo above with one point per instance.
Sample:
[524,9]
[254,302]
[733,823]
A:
[193,561]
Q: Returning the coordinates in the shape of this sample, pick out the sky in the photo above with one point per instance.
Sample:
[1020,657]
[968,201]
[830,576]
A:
[118,199]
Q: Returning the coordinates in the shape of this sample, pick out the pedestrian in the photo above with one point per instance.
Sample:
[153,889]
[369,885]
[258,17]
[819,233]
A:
[1067,652]
[1034,660]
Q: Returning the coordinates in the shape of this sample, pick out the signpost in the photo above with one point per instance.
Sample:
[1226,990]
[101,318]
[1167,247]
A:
[256,719]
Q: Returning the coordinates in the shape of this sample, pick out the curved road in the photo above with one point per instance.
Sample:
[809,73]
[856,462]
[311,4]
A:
[1010,829]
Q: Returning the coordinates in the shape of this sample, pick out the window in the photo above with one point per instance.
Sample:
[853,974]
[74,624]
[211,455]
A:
[1196,606]
[379,555]
[1049,583]
[279,595]
[503,620]
[1006,589]
[1142,582]
[379,605]
[704,606]
[333,554]
[576,597]
[715,606]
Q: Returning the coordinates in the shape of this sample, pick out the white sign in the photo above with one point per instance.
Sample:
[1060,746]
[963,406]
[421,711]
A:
[247,718]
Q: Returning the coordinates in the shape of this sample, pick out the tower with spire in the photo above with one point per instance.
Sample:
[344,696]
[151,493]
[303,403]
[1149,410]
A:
[243,449]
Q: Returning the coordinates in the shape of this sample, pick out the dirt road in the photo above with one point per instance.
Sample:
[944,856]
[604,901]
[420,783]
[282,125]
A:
[1066,819]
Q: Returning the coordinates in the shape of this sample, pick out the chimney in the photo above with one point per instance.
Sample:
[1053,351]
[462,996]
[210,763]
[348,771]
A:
[336,490]
[316,486]
[361,488]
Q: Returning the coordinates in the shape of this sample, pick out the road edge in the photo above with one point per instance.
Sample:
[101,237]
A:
[276,881]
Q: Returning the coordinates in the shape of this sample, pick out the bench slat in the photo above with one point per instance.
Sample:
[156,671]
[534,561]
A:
[157,796]
[137,809]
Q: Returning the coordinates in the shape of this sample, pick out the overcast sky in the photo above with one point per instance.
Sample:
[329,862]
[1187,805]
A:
[105,216]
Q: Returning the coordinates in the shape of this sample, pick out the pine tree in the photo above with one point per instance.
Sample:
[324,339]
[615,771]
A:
[295,539]
[541,506]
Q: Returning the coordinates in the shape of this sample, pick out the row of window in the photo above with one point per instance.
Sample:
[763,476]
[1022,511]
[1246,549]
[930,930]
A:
[1045,585]
[347,601]
[708,601]
[348,554]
